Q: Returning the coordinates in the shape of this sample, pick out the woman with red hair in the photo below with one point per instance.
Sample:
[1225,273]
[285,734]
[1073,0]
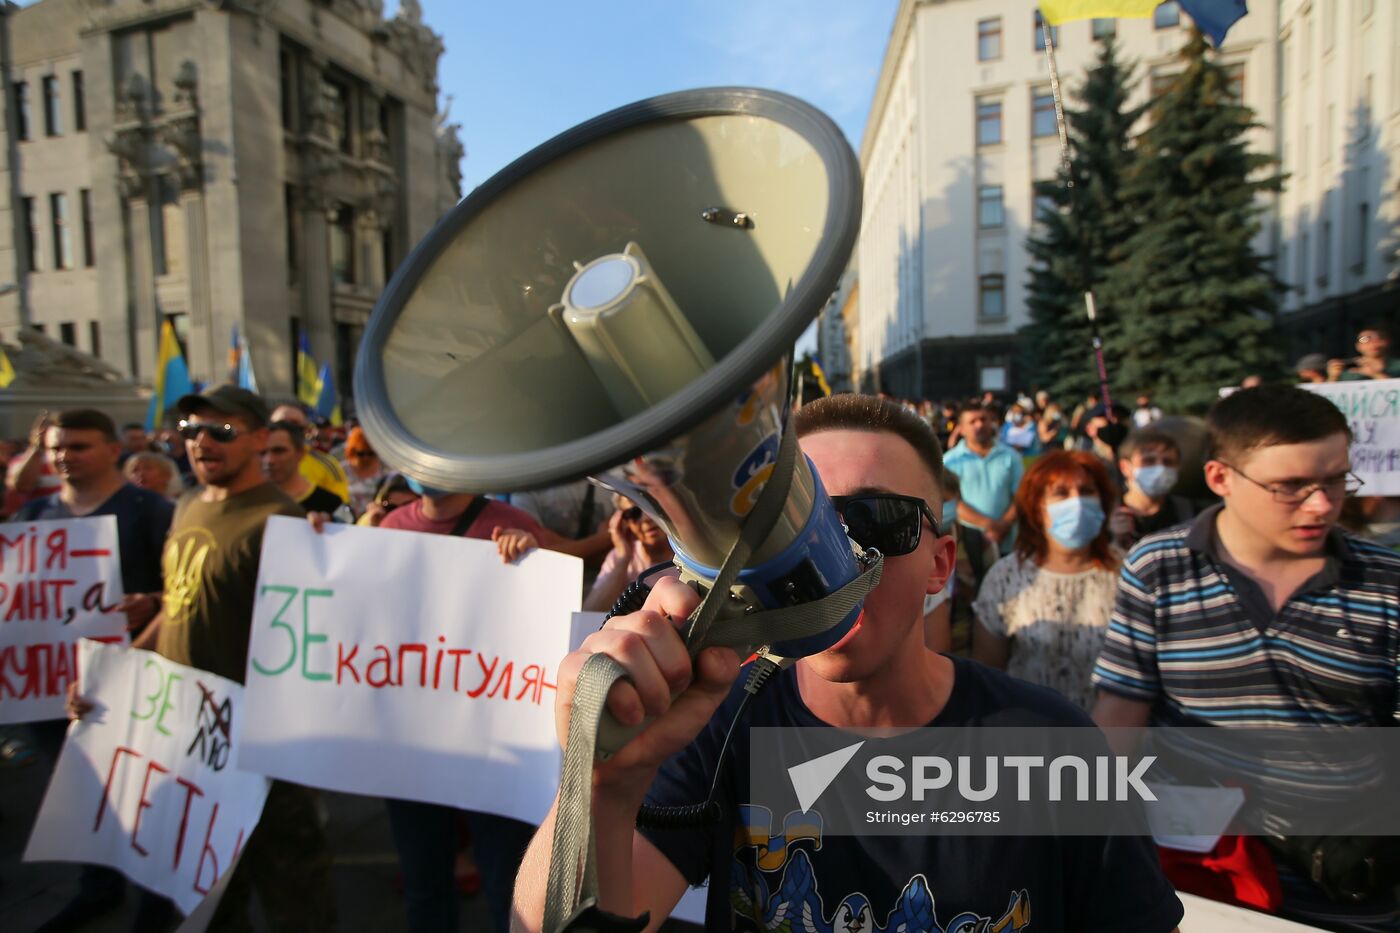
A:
[1043,610]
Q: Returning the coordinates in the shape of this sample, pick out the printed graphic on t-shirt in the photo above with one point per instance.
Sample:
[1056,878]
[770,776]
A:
[183,563]
[773,887]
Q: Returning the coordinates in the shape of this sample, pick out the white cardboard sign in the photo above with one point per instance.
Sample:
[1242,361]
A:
[146,781]
[415,666]
[1372,407]
[60,581]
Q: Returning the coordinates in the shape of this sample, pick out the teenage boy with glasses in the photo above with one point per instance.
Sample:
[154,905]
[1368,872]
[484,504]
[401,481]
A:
[882,466]
[1263,613]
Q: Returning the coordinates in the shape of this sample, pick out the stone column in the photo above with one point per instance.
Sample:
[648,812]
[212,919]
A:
[146,322]
[316,277]
[206,362]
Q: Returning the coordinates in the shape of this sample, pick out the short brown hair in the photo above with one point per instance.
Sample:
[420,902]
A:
[849,412]
[1146,437]
[1269,416]
[294,432]
[87,419]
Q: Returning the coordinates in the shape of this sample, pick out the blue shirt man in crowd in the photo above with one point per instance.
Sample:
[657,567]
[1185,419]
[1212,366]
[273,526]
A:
[989,473]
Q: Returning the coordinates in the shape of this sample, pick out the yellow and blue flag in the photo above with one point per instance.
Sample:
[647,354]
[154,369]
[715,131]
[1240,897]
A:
[172,377]
[1058,12]
[308,378]
[7,370]
[1215,17]
[327,405]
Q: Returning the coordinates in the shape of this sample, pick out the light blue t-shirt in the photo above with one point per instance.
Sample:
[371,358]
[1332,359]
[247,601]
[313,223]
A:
[988,484]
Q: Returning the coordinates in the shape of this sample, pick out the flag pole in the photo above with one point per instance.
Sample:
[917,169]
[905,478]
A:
[1062,128]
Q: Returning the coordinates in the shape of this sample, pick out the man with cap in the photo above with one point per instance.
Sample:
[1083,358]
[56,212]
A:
[1311,367]
[210,567]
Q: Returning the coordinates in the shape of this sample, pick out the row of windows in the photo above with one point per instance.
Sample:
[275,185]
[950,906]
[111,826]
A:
[989,31]
[68,333]
[60,230]
[53,107]
[1360,250]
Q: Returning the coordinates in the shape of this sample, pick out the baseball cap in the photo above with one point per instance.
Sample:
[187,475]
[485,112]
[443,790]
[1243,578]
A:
[1314,361]
[227,400]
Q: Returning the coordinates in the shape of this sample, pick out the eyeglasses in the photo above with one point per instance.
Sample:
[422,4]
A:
[223,433]
[1298,491]
[889,523]
[360,454]
[634,514]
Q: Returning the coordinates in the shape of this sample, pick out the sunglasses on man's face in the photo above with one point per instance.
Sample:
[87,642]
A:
[889,523]
[223,433]
[634,514]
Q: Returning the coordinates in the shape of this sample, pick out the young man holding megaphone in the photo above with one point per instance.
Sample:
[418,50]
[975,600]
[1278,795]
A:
[882,467]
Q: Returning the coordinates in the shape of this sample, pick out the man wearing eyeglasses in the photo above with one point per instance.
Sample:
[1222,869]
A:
[882,466]
[210,567]
[1372,361]
[1263,613]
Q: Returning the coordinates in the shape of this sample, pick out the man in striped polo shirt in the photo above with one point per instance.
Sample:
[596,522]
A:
[1262,612]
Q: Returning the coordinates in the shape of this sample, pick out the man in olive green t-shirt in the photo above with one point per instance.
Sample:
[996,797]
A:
[210,564]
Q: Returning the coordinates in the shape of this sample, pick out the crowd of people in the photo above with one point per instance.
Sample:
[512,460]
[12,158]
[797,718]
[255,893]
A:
[1055,550]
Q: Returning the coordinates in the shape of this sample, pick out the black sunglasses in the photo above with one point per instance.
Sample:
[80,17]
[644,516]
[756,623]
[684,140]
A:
[889,523]
[223,433]
[634,514]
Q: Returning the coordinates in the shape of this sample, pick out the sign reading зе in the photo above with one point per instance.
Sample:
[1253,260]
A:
[59,581]
[1372,406]
[146,782]
[407,665]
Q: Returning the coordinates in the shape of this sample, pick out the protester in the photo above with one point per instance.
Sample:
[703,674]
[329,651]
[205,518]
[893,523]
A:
[155,472]
[29,475]
[1043,610]
[425,834]
[875,455]
[363,468]
[1051,428]
[393,493]
[988,472]
[1267,561]
[318,467]
[281,461]
[211,570]
[1311,367]
[1146,412]
[1372,361]
[946,423]
[1149,461]
[82,445]
[1019,432]
[638,543]
[135,440]
[938,607]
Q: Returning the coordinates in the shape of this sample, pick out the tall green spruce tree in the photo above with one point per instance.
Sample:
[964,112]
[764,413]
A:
[1073,246]
[1193,301]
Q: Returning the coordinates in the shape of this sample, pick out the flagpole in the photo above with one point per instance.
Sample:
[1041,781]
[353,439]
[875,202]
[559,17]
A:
[1062,128]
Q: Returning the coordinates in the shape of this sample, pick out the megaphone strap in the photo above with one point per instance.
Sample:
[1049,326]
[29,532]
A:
[790,622]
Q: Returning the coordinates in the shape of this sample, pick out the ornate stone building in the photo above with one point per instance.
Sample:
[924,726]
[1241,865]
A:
[217,163]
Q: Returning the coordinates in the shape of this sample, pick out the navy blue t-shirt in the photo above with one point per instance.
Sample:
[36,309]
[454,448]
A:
[913,884]
[143,520]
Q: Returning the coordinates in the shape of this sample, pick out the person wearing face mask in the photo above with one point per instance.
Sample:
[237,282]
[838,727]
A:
[1019,431]
[1043,610]
[1149,461]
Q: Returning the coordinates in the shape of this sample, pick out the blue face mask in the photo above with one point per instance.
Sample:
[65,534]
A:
[1075,522]
[429,491]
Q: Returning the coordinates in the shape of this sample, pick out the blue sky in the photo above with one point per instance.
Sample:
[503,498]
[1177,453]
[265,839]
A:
[520,72]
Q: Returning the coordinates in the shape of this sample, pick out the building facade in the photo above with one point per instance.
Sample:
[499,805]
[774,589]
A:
[244,163]
[961,129]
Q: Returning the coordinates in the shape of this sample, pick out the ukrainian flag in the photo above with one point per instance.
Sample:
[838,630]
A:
[308,379]
[1057,12]
[172,378]
[327,406]
[7,369]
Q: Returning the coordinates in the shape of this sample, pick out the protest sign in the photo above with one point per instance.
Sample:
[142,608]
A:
[406,665]
[146,781]
[1372,407]
[59,581]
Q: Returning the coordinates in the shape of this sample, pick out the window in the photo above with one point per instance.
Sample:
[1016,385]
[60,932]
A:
[1042,205]
[343,247]
[1166,15]
[37,328]
[95,339]
[991,296]
[62,231]
[22,114]
[53,117]
[1104,27]
[1234,81]
[288,64]
[989,40]
[1304,245]
[991,378]
[85,208]
[79,103]
[1363,222]
[31,238]
[1040,33]
[991,208]
[68,333]
[988,122]
[1042,114]
[1324,248]
[289,199]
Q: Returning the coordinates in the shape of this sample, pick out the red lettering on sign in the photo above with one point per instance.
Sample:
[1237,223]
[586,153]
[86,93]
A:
[144,804]
[387,660]
[486,678]
[190,790]
[346,662]
[107,788]
[56,546]
[503,680]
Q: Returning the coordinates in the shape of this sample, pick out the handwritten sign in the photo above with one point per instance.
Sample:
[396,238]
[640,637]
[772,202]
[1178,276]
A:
[146,781]
[60,581]
[415,666]
[1372,406]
